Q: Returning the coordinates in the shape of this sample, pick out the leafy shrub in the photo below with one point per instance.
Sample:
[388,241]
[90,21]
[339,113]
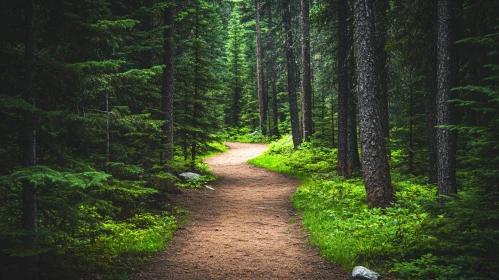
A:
[89,221]
[427,267]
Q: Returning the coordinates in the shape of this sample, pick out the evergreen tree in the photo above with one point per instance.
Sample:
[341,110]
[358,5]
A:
[446,153]
[342,88]
[29,218]
[236,61]
[262,97]
[198,77]
[353,161]
[272,71]
[167,108]
[290,62]
[380,8]
[306,84]
[375,166]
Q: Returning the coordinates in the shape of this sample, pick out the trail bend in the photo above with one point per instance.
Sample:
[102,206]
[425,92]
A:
[245,229]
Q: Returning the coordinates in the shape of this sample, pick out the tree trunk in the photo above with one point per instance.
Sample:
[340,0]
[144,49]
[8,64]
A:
[197,84]
[353,160]
[29,216]
[333,136]
[306,85]
[431,123]
[272,73]
[429,71]
[411,124]
[290,57]
[375,166]
[237,97]
[342,87]
[259,69]
[108,135]
[381,62]
[148,55]
[446,157]
[168,80]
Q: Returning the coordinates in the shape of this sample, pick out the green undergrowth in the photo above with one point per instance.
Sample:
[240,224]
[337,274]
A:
[96,225]
[216,148]
[416,238]
[245,135]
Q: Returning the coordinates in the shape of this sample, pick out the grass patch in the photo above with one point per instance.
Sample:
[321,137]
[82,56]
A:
[273,163]
[414,238]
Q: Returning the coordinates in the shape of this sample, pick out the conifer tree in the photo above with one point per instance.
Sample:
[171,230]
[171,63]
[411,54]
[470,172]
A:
[290,62]
[342,87]
[306,84]
[236,60]
[272,60]
[262,98]
[380,8]
[29,219]
[198,77]
[446,155]
[375,166]
[168,87]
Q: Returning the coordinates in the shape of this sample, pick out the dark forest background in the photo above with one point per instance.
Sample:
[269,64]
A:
[103,103]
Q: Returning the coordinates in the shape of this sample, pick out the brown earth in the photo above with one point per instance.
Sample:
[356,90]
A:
[245,229]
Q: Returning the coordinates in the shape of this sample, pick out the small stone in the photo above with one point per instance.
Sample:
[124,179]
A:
[190,176]
[360,272]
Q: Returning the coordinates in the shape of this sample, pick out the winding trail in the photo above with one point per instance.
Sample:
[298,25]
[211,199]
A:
[245,229]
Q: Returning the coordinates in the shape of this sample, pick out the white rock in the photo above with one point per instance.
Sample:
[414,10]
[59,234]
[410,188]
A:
[210,188]
[361,272]
[190,176]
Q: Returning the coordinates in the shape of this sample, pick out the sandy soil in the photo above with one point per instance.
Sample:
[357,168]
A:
[245,229]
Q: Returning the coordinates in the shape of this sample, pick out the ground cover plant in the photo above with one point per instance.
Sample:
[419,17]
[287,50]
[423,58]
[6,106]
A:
[245,135]
[94,224]
[415,238]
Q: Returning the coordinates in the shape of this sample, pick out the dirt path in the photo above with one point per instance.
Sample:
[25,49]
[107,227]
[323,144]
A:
[245,229]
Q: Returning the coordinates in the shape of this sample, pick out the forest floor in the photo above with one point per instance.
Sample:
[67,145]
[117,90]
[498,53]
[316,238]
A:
[245,229]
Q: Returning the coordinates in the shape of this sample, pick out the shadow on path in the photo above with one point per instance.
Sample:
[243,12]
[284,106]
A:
[245,229]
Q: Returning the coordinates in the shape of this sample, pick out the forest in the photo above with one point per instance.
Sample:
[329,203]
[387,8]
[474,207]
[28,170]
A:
[387,111]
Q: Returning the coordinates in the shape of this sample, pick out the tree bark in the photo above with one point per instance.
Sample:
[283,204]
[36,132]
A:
[197,84]
[446,157]
[168,81]
[375,166]
[290,57]
[411,124]
[428,69]
[108,134]
[259,69]
[237,97]
[381,62]
[29,204]
[431,121]
[306,85]
[342,87]
[272,73]
[148,55]
[333,136]
[353,160]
